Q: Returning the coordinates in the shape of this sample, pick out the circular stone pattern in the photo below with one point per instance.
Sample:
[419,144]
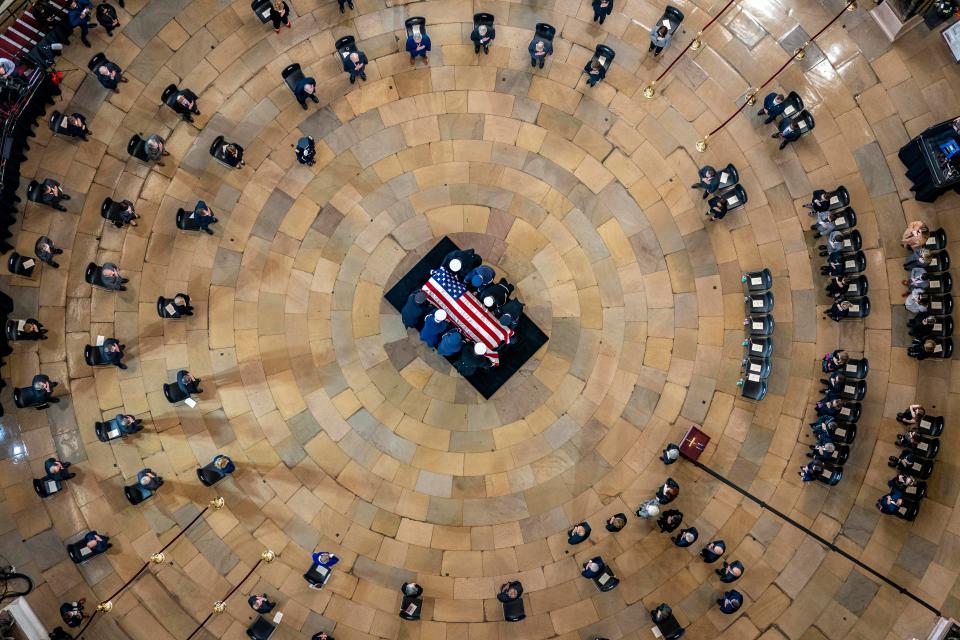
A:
[349,436]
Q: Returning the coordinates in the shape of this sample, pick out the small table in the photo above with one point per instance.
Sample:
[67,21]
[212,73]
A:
[476,322]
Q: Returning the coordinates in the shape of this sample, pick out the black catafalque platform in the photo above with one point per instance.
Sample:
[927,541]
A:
[511,359]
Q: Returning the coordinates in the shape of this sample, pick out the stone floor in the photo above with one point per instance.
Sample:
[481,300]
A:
[350,438]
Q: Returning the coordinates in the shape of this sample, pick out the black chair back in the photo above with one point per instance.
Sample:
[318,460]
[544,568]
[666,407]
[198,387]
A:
[546,31]
[34,191]
[262,9]
[46,486]
[604,55]
[485,19]
[174,393]
[261,629]
[210,475]
[416,24]
[96,61]
[137,493]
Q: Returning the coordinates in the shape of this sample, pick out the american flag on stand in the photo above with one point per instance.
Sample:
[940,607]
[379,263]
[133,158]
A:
[446,292]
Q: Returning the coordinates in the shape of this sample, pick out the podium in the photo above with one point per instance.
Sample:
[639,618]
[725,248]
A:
[693,444]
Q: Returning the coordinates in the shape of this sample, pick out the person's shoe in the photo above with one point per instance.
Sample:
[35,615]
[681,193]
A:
[276,30]
[60,208]
[761,112]
[54,400]
[426,59]
[209,232]
[122,366]
[783,144]
[341,8]
[903,282]
[541,63]
[533,62]
[53,264]
[353,80]
[476,50]
[486,50]
[86,43]
[363,76]
[58,251]
[776,135]
[289,25]
[64,196]
[705,194]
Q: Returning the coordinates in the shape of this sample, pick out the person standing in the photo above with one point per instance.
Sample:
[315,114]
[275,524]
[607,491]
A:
[418,46]
[660,37]
[305,90]
[774,104]
[356,65]
[107,17]
[482,36]
[78,13]
[539,50]
[280,14]
[601,9]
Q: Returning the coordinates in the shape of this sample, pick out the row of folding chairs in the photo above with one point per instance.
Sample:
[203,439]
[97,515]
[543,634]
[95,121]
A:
[759,325]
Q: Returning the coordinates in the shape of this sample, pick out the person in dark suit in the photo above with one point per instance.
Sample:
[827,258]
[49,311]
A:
[712,551]
[822,449]
[52,194]
[260,603]
[96,542]
[616,522]
[343,2]
[415,309]
[280,14]
[32,330]
[122,213]
[718,209]
[482,36]
[510,591]
[147,478]
[110,76]
[418,45]
[835,361]
[473,360]
[834,382]
[595,72]
[42,387]
[78,15]
[730,572]
[709,181]
[539,50]
[224,464]
[730,601]
[592,568]
[495,295]
[77,126]
[434,326]
[451,343]
[601,9]
[181,305]
[111,352]
[203,217]
[773,106]
[820,201]
[107,17]
[811,470]
[306,151]
[411,590]
[188,383]
[686,537]
[461,261]
[479,277]
[509,316]
[72,613]
[789,131]
[924,326]
[670,520]
[46,250]
[668,492]
[670,454]
[232,154]
[186,104]
[839,310]
[125,423]
[912,414]
[578,533]
[356,65]
[305,90]
[835,266]
[922,349]
[57,470]
[110,277]
[890,503]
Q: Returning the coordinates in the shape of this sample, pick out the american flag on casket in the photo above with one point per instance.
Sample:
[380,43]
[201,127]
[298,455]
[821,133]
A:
[446,292]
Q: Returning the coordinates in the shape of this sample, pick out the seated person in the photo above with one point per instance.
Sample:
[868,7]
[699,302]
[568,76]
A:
[919,258]
[662,613]
[593,567]
[730,601]
[107,17]
[578,533]
[306,151]
[52,194]
[325,559]
[915,236]
[539,50]
[616,522]
[181,305]
[261,603]
[730,572]
[122,213]
[306,89]
[451,343]
[482,36]
[718,209]
[109,75]
[188,383]
[709,181]
[922,349]
[461,261]
[223,464]
[712,551]
[96,542]
[837,286]
[839,310]
[201,217]
[57,470]
[648,509]
[479,277]
[890,503]
[917,279]
[45,250]
[670,454]
[186,104]
[125,423]
[774,104]
[686,537]
[510,591]
[917,301]
[668,492]
[411,590]
[595,72]
[32,330]
[147,478]
[835,266]
[72,613]
[473,360]
[495,295]
[670,520]
[232,154]
[356,65]
[811,470]
[415,309]
[110,277]
[155,148]
[822,449]
[42,388]
[834,382]
[834,242]
[825,224]
[912,414]
[835,361]
[434,325]
[76,126]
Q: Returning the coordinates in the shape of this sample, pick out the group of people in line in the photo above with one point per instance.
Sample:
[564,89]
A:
[921,266]
[832,222]
[919,446]
[775,106]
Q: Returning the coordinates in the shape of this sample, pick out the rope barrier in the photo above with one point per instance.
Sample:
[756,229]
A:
[694,44]
[220,606]
[798,54]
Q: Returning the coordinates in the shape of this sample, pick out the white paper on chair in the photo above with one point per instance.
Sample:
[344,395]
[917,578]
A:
[852,287]
[848,389]
[723,176]
[667,24]
[937,327]
[604,578]
[113,433]
[415,29]
[28,263]
[602,60]
[756,347]
[938,349]
[411,609]
[64,121]
[758,326]
[755,367]
[756,281]
[277,618]
[922,446]
[841,432]
[100,340]
[190,402]
[934,284]
[85,551]
[170,309]
[732,201]
[834,199]
[855,308]
[20,324]
[51,486]
[656,632]
[788,110]
[841,220]
[756,303]
[753,377]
